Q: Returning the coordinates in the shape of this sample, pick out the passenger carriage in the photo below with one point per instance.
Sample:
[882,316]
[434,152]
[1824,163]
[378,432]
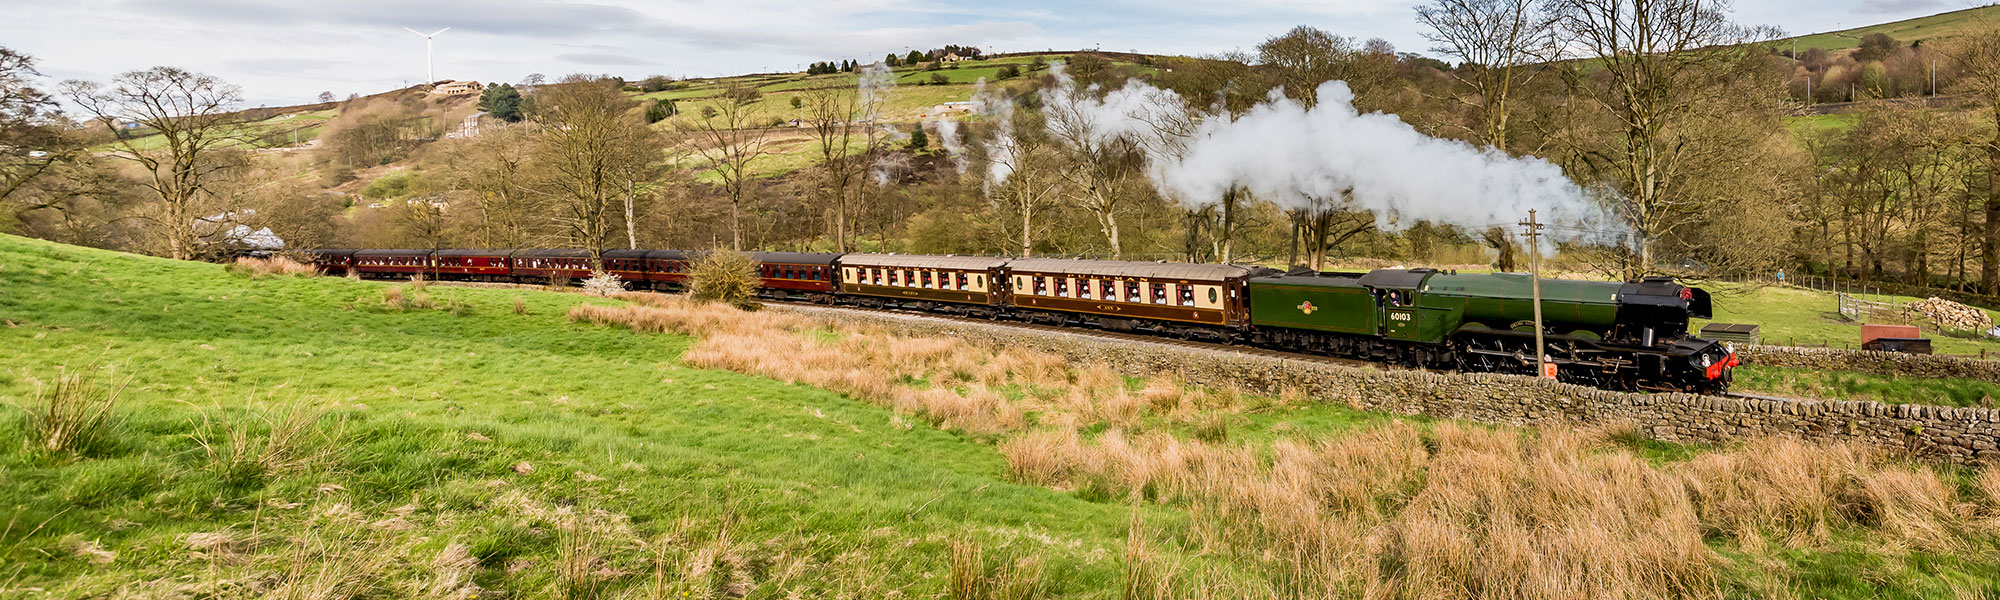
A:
[550,265]
[969,285]
[796,274]
[484,265]
[653,269]
[1181,299]
[332,261]
[392,263]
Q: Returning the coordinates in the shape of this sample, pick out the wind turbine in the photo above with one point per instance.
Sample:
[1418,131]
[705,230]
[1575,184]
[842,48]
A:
[428,78]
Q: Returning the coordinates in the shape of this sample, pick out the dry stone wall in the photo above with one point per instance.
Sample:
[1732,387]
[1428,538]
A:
[1877,363]
[1964,435]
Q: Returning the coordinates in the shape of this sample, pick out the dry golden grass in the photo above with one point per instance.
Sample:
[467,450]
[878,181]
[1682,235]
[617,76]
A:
[267,267]
[950,383]
[1460,511]
[1393,511]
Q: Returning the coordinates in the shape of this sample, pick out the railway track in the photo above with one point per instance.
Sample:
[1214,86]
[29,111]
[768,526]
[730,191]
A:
[1103,335]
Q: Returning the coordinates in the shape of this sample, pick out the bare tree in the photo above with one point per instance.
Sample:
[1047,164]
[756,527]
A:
[31,136]
[1022,173]
[1654,60]
[727,144]
[1102,167]
[188,121]
[1305,57]
[497,169]
[1977,54]
[832,114]
[1495,40]
[590,139]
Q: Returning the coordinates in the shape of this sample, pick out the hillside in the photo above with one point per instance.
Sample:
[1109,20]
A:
[1928,29]
[328,438]
[444,450]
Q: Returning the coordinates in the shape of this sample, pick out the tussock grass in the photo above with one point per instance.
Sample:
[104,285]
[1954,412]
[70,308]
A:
[286,438]
[73,411]
[257,268]
[1398,512]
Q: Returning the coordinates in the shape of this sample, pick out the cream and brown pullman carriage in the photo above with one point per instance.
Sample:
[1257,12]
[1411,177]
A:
[1193,300]
[970,285]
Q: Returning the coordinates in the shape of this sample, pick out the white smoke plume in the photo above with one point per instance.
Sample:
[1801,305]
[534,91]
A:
[1002,151]
[948,138]
[1330,155]
[877,81]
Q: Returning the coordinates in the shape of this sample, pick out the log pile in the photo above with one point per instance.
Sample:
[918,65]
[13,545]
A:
[1951,315]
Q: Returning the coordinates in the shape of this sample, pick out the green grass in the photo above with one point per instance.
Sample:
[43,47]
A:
[430,412]
[1842,385]
[1806,127]
[1806,317]
[804,474]
[1929,29]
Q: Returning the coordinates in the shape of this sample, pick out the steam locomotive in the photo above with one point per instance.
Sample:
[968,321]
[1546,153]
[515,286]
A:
[1623,336]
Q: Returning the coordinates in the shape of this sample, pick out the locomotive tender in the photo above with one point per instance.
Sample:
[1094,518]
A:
[1624,336]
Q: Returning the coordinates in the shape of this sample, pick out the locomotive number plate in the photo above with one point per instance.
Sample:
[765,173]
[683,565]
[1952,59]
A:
[1399,316]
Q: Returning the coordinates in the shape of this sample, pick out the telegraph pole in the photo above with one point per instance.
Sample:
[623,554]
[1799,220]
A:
[1534,231]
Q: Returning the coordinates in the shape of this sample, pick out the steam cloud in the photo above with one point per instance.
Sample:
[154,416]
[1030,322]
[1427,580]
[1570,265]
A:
[1327,156]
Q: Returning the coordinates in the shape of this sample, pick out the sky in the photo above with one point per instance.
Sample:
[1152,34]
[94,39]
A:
[288,51]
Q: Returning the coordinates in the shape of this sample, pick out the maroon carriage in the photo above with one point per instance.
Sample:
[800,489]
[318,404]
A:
[796,274]
[651,269]
[485,265]
[560,265]
[391,263]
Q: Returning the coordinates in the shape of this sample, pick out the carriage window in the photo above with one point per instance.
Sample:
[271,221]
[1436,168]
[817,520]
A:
[1041,286]
[1083,288]
[1159,293]
[927,278]
[961,281]
[1108,289]
[1132,292]
[979,280]
[1187,295]
[1212,295]
[1062,286]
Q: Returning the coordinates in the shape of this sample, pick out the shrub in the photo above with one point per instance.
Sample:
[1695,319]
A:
[392,297]
[71,414]
[727,277]
[603,284]
[520,306]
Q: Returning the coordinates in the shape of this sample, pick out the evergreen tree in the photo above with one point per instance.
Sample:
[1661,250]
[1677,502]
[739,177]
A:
[918,141]
[502,101]
[660,109]
[914,57]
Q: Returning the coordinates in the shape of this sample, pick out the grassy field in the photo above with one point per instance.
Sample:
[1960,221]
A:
[464,435]
[1805,317]
[1929,29]
[1842,385]
[326,438]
